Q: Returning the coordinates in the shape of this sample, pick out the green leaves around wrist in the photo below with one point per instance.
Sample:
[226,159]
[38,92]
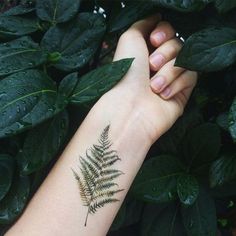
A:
[183,179]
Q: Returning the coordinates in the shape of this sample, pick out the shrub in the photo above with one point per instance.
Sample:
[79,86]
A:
[56,62]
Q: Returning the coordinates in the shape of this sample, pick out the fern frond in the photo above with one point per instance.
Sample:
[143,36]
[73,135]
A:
[107,194]
[110,163]
[95,206]
[83,190]
[96,185]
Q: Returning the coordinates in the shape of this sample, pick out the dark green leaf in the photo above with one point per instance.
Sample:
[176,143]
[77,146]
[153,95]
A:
[57,11]
[6,173]
[14,202]
[20,54]
[182,5]
[119,219]
[204,50]
[77,41]
[43,143]
[34,101]
[232,120]
[131,13]
[94,84]
[20,9]
[223,170]
[162,220]
[188,189]
[68,84]
[223,121]
[12,26]
[156,182]
[201,145]
[171,141]
[200,218]
[224,6]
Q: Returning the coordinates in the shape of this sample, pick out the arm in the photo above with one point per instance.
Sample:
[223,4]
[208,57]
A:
[130,117]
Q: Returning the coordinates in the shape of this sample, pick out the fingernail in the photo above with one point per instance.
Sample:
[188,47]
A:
[166,93]
[160,37]
[157,60]
[157,83]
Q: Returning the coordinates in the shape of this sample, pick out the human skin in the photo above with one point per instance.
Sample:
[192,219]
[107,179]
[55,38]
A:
[137,113]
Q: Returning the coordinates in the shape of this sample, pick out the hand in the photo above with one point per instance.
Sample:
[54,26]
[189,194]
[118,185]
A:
[153,109]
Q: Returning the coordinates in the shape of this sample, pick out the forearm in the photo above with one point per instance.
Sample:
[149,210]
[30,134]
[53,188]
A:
[58,201]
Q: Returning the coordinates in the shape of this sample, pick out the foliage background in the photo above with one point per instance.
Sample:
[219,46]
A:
[187,185]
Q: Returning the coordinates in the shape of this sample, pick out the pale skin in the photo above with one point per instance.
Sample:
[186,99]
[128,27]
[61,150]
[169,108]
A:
[138,112]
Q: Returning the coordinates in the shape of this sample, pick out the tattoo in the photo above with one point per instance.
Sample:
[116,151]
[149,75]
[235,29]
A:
[96,185]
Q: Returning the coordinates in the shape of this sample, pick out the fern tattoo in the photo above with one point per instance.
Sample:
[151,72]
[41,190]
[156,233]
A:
[96,185]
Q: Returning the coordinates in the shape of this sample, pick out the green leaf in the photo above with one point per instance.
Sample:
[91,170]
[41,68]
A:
[162,220]
[130,14]
[20,9]
[223,170]
[76,41]
[12,26]
[34,101]
[182,5]
[223,121]
[43,143]
[20,54]
[224,6]
[68,84]
[94,84]
[203,50]
[200,218]
[187,189]
[232,120]
[119,219]
[6,173]
[57,11]
[156,181]
[14,202]
[201,145]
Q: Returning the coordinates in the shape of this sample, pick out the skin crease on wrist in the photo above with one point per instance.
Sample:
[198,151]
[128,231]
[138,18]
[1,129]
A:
[137,115]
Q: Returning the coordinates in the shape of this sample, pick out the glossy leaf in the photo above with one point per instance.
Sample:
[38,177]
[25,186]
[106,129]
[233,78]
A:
[224,6]
[223,170]
[200,218]
[34,101]
[43,143]
[131,13]
[68,84]
[94,84]
[12,26]
[14,202]
[182,5]
[20,54]
[162,220]
[6,174]
[57,11]
[203,50]
[20,9]
[201,145]
[156,182]
[76,42]
[187,189]
[232,120]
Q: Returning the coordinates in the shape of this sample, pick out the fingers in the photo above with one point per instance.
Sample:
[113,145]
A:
[165,53]
[185,82]
[163,32]
[165,76]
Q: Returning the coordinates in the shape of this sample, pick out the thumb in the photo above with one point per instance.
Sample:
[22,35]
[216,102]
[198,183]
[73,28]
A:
[132,42]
